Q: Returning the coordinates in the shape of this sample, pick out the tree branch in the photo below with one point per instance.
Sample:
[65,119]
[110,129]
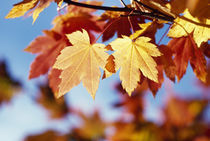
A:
[124,9]
[153,10]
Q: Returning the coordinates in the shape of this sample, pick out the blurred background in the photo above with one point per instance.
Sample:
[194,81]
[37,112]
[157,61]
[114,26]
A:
[28,110]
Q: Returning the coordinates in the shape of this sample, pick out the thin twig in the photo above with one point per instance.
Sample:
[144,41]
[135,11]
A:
[123,3]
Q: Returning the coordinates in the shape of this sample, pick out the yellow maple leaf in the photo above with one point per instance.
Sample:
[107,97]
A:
[42,5]
[80,62]
[133,57]
[34,6]
[21,8]
[200,29]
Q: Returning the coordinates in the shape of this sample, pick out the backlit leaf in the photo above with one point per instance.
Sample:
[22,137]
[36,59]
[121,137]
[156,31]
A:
[133,57]
[80,62]
[199,29]
[48,47]
[186,50]
[34,6]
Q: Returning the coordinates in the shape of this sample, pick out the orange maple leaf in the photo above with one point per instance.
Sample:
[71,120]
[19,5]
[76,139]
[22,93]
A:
[186,50]
[48,47]
[80,62]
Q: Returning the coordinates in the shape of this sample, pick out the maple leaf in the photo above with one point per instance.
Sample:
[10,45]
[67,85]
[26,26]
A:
[132,57]
[186,50]
[114,19]
[147,29]
[36,7]
[199,29]
[80,62]
[49,46]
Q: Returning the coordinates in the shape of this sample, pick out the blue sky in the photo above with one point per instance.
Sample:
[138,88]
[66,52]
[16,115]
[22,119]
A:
[22,116]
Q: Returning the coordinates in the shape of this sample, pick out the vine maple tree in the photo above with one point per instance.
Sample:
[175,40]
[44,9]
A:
[69,52]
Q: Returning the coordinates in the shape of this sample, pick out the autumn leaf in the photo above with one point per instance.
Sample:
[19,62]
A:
[186,50]
[80,62]
[133,57]
[21,8]
[34,6]
[48,46]
[199,29]
[40,7]
[114,20]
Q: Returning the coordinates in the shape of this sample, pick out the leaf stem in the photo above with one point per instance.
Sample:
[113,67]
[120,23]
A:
[129,19]
[164,34]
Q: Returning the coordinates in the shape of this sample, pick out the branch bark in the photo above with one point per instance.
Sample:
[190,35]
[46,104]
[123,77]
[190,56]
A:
[153,15]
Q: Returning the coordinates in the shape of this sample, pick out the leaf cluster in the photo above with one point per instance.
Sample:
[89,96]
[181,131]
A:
[70,55]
